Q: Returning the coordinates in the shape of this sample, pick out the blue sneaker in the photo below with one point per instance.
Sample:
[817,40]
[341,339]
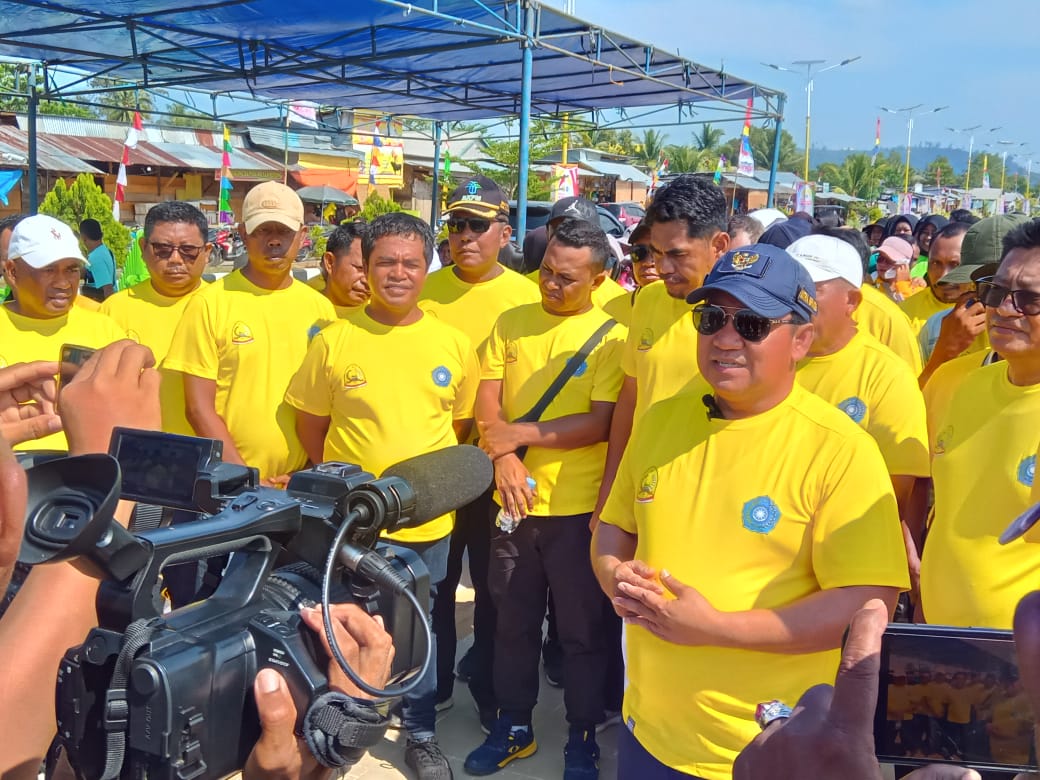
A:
[504,744]
[581,755]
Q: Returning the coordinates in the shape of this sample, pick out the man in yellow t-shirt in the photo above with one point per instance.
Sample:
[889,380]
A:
[984,457]
[173,246]
[469,295]
[546,478]
[859,375]
[688,225]
[748,522]
[241,339]
[43,266]
[343,279]
[388,383]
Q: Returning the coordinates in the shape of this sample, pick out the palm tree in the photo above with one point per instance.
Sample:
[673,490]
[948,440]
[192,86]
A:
[708,138]
[683,159]
[856,176]
[119,106]
[649,149]
[762,143]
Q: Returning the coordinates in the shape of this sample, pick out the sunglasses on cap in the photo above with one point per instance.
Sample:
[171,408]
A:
[165,251]
[709,319]
[639,253]
[476,224]
[1024,302]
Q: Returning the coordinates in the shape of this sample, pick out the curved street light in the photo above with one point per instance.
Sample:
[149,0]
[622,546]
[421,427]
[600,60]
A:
[909,111]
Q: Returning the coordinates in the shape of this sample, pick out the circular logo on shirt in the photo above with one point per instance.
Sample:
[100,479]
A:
[646,340]
[441,376]
[354,377]
[580,370]
[854,408]
[760,515]
[1027,470]
[647,486]
[511,352]
[241,334]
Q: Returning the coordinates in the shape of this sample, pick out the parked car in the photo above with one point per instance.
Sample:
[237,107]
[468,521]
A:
[538,212]
[629,213]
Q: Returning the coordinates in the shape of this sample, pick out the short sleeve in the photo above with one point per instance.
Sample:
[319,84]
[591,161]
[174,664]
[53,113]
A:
[494,361]
[467,392]
[856,536]
[194,347]
[606,383]
[310,389]
[618,509]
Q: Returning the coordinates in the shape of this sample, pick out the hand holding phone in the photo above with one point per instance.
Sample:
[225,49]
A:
[71,360]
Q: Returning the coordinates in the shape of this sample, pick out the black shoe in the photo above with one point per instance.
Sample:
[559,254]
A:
[465,668]
[427,761]
[487,715]
[581,755]
[552,662]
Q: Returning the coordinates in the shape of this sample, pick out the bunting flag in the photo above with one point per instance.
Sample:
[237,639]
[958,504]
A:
[746,160]
[877,141]
[224,214]
[718,169]
[985,171]
[133,135]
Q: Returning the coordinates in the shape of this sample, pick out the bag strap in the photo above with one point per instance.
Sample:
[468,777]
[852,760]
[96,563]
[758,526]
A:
[573,362]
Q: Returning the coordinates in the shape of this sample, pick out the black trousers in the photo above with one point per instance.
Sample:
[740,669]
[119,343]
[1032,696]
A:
[472,532]
[543,553]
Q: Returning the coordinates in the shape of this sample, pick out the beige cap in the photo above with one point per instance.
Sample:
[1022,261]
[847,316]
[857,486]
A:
[272,202]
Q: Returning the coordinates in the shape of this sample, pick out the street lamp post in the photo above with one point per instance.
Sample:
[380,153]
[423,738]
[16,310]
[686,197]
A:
[971,145]
[909,111]
[809,76]
[1003,164]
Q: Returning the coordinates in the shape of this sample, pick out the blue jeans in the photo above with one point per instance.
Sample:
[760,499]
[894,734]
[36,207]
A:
[636,763]
[419,713]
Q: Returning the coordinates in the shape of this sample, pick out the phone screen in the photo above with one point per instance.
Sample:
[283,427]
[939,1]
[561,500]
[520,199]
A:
[70,361]
[952,695]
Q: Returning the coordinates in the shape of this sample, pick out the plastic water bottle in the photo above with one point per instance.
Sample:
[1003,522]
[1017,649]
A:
[505,521]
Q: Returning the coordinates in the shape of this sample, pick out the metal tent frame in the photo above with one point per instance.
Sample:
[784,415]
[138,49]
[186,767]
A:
[444,60]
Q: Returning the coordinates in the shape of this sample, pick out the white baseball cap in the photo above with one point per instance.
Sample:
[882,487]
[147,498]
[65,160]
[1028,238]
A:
[827,257]
[767,217]
[41,240]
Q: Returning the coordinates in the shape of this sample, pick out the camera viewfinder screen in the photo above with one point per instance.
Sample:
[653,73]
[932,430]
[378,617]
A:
[160,468]
[953,695]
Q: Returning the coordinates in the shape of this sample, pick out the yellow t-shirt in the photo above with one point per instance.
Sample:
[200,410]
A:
[1011,730]
[474,308]
[983,467]
[882,318]
[661,351]
[918,308]
[868,381]
[527,350]
[150,319]
[961,700]
[897,706]
[316,283]
[936,697]
[756,513]
[24,339]
[251,341]
[391,393]
[940,387]
[615,300]
[85,303]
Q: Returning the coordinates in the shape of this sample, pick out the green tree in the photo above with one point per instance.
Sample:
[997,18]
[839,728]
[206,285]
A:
[119,106]
[649,149]
[708,138]
[856,176]
[503,160]
[15,78]
[182,116]
[762,143]
[685,159]
[84,199]
[940,169]
[375,205]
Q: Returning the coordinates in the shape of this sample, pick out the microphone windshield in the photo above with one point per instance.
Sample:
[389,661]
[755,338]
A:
[444,480]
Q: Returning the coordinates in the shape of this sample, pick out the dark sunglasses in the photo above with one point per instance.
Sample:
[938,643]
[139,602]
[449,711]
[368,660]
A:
[1025,302]
[165,251]
[709,319]
[639,253]
[476,224]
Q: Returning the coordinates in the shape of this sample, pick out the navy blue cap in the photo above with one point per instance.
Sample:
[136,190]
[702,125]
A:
[764,278]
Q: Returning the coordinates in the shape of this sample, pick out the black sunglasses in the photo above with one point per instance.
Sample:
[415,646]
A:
[709,319]
[476,224]
[639,253]
[1025,302]
[165,251]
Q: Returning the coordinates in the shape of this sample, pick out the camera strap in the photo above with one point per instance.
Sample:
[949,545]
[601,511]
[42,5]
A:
[339,729]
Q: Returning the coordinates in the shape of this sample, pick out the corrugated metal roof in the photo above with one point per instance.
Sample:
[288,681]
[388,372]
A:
[622,171]
[14,152]
[333,144]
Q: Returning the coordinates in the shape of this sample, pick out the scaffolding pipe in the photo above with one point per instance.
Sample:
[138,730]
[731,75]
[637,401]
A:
[526,81]
[771,195]
[34,193]
[435,200]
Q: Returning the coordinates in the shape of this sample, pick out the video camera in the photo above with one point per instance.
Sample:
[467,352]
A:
[170,695]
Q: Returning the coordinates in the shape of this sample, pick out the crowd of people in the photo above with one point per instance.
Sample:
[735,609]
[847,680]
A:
[699,482]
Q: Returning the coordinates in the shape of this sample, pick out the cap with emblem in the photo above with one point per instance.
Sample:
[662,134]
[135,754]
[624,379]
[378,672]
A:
[575,208]
[479,196]
[826,258]
[764,278]
[983,248]
[272,201]
[41,240]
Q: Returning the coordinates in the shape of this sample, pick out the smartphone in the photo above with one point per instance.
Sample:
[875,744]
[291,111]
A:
[70,361]
[952,695]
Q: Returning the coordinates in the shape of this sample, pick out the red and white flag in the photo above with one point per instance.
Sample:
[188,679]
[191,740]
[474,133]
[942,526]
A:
[133,135]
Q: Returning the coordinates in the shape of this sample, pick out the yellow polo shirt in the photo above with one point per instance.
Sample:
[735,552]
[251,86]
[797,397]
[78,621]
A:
[756,513]
[150,319]
[661,351]
[527,350]
[251,341]
[940,387]
[918,308]
[878,391]
[25,339]
[983,468]
[391,393]
[882,318]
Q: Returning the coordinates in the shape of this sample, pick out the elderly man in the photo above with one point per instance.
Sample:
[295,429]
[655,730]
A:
[984,456]
[737,558]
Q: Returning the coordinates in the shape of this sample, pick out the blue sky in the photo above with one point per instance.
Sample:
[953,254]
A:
[979,58]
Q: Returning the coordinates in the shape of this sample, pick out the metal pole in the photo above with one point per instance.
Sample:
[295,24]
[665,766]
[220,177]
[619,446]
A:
[527,72]
[34,193]
[770,195]
[1029,176]
[967,175]
[808,116]
[435,206]
[1003,170]
[285,149]
[906,171]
